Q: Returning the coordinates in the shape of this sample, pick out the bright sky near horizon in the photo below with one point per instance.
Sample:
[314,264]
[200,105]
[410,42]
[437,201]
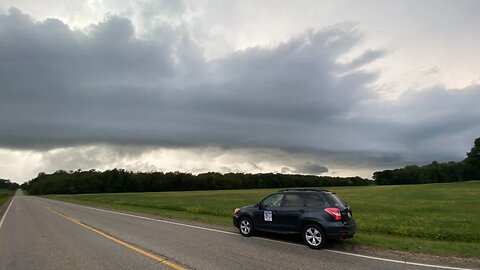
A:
[328,88]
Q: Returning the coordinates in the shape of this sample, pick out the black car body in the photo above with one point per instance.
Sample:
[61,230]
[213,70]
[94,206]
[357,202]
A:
[316,214]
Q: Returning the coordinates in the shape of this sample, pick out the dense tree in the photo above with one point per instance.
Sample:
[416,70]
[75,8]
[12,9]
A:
[7,184]
[472,162]
[435,172]
[62,182]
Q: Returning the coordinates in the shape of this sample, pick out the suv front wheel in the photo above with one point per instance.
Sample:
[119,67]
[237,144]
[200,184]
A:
[245,227]
[314,236]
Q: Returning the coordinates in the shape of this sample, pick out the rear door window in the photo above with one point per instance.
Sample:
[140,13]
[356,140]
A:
[315,199]
[293,200]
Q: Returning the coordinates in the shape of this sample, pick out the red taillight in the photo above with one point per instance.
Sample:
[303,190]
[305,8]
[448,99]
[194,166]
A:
[335,212]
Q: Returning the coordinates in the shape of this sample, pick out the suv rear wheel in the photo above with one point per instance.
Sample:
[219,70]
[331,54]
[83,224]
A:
[245,227]
[314,236]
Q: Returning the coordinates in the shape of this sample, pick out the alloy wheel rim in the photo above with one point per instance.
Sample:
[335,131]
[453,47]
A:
[313,236]
[245,226]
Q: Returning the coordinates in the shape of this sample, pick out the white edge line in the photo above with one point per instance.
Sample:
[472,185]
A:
[6,212]
[265,239]
[397,261]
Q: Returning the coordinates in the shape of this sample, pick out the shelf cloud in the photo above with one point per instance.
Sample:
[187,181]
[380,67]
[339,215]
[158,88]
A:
[109,86]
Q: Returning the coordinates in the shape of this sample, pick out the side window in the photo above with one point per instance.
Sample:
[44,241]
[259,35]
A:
[314,199]
[272,200]
[293,200]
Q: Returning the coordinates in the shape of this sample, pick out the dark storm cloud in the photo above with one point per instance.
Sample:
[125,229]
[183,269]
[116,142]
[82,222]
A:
[106,85]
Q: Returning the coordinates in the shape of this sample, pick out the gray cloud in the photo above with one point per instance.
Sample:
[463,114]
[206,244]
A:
[365,58]
[105,84]
[311,168]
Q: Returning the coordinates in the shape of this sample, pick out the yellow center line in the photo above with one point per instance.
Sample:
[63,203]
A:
[120,242]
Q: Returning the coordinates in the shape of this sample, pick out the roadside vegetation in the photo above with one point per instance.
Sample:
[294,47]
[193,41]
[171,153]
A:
[7,189]
[433,218]
[5,194]
[7,184]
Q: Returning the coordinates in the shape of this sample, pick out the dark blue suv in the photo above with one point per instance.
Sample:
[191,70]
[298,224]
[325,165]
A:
[316,214]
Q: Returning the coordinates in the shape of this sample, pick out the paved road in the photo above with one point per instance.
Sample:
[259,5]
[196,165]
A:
[45,234]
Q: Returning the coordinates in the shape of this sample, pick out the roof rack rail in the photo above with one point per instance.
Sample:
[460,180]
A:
[304,189]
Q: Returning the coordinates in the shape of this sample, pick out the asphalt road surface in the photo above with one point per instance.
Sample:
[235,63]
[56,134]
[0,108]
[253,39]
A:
[44,234]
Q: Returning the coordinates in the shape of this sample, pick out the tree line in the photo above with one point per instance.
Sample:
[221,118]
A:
[118,180]
[435,172]
[7,184]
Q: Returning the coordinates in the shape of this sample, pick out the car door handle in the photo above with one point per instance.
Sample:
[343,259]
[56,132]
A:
[301,211]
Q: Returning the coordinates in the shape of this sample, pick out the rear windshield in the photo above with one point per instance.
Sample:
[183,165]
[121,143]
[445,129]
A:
[336,200]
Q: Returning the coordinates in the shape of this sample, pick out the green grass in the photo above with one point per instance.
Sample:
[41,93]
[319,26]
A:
[440,219]
[5,194]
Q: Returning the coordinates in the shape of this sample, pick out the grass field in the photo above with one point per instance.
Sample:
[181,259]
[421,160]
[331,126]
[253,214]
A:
[434,218]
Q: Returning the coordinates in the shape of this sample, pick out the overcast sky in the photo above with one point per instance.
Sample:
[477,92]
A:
[328,88]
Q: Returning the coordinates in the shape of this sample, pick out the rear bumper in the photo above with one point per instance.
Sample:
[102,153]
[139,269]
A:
[340,230]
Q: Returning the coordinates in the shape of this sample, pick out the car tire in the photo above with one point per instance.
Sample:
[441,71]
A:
[314,236]
[245,226]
